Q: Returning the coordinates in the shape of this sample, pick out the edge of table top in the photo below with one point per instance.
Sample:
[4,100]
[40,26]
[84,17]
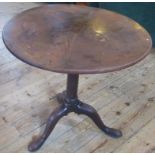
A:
[76,71]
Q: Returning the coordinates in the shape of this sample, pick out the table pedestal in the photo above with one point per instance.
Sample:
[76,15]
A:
[69,102]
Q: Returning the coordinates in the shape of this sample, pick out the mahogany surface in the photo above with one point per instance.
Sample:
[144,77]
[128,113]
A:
[76,39]
[67,105]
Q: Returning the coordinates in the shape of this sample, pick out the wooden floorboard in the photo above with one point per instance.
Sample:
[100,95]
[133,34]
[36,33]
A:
[124,99]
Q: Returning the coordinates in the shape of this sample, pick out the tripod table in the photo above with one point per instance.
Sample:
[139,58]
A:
[75,40]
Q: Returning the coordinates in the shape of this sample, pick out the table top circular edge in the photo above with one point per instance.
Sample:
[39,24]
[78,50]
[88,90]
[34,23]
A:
[76,71]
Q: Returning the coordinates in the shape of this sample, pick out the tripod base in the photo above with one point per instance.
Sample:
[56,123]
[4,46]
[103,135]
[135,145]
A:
[66,106]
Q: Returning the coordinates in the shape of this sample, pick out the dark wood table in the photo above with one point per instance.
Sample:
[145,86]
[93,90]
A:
[75,40]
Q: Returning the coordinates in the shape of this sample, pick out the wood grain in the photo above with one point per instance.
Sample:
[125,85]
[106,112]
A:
[124,99]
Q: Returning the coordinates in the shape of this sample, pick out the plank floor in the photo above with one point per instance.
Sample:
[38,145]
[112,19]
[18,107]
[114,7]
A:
[124,99]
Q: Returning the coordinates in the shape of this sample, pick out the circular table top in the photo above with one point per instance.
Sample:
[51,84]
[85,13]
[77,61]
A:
[76,39]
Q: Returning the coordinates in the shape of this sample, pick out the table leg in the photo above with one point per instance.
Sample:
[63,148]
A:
[70,103]
[88,110]
[61,111]
[83,108]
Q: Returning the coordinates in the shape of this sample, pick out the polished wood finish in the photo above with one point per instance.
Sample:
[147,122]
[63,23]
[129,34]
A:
[61,111]
[70,101]
[72,85]
[76,39]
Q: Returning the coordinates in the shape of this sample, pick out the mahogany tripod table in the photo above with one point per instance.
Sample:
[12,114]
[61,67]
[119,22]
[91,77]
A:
[75,40]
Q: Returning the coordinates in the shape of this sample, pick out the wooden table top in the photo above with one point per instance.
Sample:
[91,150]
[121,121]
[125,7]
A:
[76,39]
